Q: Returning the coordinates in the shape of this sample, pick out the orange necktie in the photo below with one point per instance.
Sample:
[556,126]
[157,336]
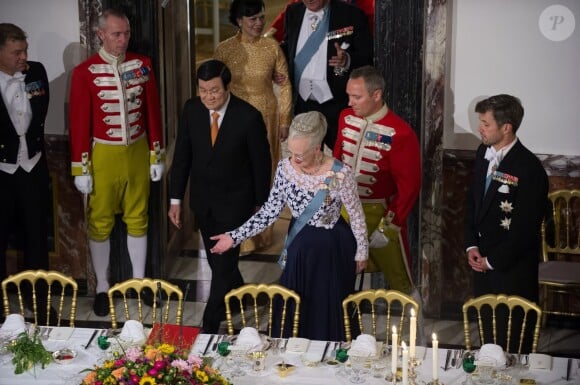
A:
[214,126]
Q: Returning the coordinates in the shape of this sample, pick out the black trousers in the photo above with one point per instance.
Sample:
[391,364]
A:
[24,209]
[225,274]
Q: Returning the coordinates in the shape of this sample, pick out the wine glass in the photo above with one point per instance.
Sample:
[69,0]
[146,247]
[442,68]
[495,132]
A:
[486,368]
[358,369]
[236,361]
[468,365]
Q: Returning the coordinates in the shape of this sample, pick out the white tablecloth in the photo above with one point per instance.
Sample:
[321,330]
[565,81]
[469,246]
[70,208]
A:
[56,374]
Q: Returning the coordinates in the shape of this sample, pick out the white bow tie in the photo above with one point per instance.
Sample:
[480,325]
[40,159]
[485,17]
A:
[18,76]
[491,154]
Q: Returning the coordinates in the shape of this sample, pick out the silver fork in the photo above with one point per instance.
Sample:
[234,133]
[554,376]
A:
[459,362]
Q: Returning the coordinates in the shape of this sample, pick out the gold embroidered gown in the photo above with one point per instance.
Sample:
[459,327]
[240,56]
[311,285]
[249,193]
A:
[252,63]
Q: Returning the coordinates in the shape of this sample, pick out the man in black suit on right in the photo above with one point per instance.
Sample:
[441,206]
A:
[505,207]
[324,40]
[222,149]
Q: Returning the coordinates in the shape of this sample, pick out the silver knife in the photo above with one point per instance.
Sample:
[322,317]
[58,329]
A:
[92,338]
[208,345]
[447,357]
[325,350]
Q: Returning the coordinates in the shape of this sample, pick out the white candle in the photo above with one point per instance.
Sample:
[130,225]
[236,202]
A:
[412,334]
[435,352]
[394,354]
[405,363]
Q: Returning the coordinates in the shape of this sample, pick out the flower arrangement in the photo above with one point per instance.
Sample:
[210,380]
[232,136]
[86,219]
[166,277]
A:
[154,365]
[28,351]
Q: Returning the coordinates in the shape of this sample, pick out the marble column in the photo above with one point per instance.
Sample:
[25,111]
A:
[432,153]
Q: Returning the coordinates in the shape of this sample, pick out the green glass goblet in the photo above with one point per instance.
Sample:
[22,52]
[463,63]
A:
[468,365]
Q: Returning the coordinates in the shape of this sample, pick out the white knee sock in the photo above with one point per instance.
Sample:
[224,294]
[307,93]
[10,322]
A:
[138,253]
[100,256]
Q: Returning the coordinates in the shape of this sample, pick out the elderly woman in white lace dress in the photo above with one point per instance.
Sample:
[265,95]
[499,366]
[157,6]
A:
[322,260]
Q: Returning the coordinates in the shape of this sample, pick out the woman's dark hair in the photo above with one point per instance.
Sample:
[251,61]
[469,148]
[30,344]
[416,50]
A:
[239,8]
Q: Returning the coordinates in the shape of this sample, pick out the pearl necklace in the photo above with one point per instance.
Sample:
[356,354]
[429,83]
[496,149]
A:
[315,170]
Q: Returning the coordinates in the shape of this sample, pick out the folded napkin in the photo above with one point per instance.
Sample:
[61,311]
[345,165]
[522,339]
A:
[495,352]
[365,345]
[250,339]
[13,325]
[133,332]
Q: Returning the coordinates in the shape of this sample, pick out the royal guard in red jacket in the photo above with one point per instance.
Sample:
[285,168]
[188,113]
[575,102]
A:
[384,152]
[116,145]
[277,28]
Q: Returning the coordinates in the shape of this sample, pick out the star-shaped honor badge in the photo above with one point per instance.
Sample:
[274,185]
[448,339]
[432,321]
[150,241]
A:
[506,206]
[505,223]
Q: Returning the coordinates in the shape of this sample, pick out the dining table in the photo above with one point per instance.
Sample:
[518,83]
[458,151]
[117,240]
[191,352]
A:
[315,365]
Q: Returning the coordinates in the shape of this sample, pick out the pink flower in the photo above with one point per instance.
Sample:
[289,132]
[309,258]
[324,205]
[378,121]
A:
[181,365]
[194,360]
[133,353]
[159,365]
[152,372]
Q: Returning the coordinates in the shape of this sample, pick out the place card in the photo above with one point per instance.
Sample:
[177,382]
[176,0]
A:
[540,361]
[200,343]
[62,333]
[297,345]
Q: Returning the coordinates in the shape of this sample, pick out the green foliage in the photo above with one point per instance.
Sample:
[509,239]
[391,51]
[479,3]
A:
[28,351]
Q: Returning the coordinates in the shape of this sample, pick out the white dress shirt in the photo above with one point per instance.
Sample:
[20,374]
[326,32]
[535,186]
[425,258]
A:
[313,84]
[13,92]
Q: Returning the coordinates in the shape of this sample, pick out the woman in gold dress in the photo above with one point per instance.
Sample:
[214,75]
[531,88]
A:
[253,61]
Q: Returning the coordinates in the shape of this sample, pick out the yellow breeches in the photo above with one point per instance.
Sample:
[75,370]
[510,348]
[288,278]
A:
[121,185]
[391,259]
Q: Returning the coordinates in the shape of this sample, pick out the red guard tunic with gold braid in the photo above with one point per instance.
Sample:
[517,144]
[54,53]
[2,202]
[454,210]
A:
[116,103]
[384,152]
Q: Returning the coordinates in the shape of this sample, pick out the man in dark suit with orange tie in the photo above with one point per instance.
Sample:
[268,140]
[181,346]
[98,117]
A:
[222,149]
[505,207]
[324,40]
[24,179]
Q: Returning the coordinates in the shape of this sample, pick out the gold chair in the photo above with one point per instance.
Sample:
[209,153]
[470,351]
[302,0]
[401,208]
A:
[263,291]
[51,277]
[559,271]
[355,301]
[493,301]
[137,285]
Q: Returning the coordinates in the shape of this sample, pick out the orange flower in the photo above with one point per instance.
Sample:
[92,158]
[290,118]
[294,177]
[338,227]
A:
[118,373]
[151,354]
[90,378]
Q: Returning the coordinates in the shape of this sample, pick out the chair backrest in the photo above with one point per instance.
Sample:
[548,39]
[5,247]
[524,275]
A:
[250,316]
[354,304]
[135,286]
[57,284]
[512,303]
[564,227]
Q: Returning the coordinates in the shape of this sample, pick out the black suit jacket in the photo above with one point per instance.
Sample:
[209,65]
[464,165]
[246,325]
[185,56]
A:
[9,141]
[342,15]
[228,180]
[512,252]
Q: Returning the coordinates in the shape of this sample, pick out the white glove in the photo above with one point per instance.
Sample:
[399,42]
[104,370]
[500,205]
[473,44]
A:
[156,172]
[378,239]
[84,183]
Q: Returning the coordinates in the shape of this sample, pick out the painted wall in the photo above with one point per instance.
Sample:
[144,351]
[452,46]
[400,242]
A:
[52,27]
[501,46]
